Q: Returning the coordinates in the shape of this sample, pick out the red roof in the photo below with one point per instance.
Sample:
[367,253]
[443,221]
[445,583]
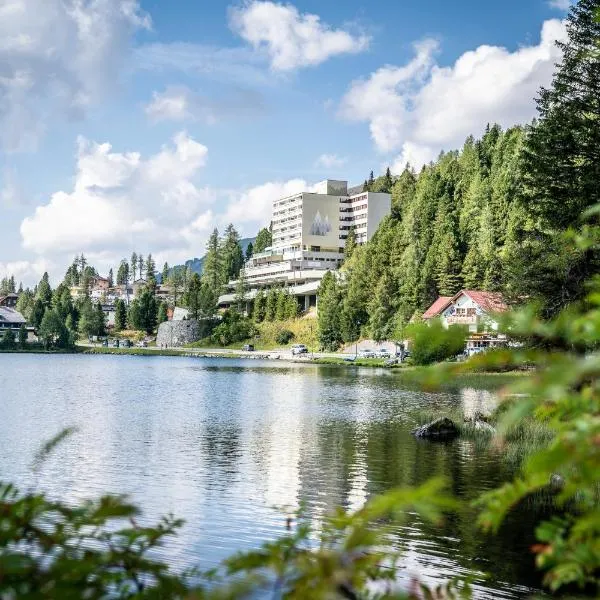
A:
[489,301]
[437,307]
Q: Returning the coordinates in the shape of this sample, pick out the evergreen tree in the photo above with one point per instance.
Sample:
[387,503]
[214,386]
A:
[162,313]
[147,311]
[263,240]
[292,308]
[232,255]
[241,293]
[271,304]
[561,171]
[110,278]
[120,315]
[37,313]
[134,265]
[44,291]
[123,273]
[370,182]
[22,336]
[259,308]
[212,271]
[281,305]
[150,268]
[140,266]
[329,332]
[350,244]
[165,273]
[249,251]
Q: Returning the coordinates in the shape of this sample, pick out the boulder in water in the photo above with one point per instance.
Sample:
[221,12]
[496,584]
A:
[440,429]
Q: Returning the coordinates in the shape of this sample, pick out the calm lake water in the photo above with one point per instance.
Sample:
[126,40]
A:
[221,442]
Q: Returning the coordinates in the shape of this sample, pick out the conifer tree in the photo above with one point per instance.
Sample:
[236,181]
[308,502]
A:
[328,315]
[134,265]
[120,315]
[259,308]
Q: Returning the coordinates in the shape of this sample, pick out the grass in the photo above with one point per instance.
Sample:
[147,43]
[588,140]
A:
[359,362]
[516,445]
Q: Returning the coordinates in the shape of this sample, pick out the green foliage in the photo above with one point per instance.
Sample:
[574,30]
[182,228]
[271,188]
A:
[162,313]
[120,315]
[8,340]
[233,328]
[143,312]
[432,342]
[285,336]
[329,317]
[260,307]
[263,240]
[22,336]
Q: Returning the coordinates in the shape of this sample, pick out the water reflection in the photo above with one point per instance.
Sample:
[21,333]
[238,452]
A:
[221,443]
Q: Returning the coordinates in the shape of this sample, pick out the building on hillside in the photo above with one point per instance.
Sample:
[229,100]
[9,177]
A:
[477,310]
[9,300]
[309,231]
[99,283]
[11,319]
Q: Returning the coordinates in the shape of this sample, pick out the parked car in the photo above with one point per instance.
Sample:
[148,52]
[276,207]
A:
[142,344]
[384,353]
[367,353]
[299,349]
[248,348]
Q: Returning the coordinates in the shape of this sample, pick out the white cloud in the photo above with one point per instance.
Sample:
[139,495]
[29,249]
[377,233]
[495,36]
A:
[28,272]
[291,39]
[384,98]
[251,209]
[330,161]
[58,57]
[563,5]
[422,108]
[179,103]
[122,201]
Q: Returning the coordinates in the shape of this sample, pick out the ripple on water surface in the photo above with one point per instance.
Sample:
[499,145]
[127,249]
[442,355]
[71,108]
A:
[221,443]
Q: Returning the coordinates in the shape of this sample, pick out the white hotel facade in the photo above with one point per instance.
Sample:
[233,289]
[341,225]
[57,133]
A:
[309,235]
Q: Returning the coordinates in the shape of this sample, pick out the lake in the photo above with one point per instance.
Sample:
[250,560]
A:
[222,442]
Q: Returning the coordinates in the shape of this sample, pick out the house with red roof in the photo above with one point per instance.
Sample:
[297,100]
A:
[476,309]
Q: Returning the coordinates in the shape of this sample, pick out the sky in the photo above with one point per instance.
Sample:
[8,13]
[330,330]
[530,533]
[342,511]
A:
[140,125]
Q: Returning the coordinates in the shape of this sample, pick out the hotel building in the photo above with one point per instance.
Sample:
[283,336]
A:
[309,235]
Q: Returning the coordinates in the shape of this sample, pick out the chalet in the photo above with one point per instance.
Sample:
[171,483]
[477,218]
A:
[100,283]
[10,319]
[477,310]
[9,300]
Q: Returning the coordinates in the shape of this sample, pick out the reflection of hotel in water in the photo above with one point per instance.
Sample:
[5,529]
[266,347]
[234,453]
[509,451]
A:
[309,235]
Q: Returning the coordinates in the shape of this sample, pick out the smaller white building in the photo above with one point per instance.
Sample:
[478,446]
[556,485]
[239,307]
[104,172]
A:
[476,309]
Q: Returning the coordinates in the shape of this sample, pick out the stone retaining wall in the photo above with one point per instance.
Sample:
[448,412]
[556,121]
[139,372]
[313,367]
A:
[173,334]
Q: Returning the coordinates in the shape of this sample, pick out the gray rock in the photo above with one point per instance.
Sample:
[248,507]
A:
[440,429]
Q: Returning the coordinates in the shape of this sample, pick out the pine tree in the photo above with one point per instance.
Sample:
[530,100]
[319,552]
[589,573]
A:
[123,273]
[212,270]
[162,313]
[110,278]
[350,244]
[150,267]
[263,240]
[249,251]
[120,315]
[140,266]
[328,315]
[44,291]
[165,274]
[134,265]
[370,182]
[281,306]
[271,304]
[259,308]
[232,255]
[561,171]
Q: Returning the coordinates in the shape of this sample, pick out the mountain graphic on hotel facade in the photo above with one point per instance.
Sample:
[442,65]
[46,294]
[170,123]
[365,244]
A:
[320,225]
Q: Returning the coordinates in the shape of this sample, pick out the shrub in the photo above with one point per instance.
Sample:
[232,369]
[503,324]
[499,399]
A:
[233,328]
[285,336]
[434,343]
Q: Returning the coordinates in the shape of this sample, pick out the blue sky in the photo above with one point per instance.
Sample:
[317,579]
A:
[140,124]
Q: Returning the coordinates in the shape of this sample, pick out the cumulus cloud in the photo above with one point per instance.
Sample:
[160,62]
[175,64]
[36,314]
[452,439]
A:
[120,200]
[179,103]
[330,161]
[252,208]
[28,272]
[58,57]
[123,201]
[422,108]
[289,38]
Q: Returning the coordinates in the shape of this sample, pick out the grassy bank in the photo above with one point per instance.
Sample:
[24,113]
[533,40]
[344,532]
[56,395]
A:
[39,350]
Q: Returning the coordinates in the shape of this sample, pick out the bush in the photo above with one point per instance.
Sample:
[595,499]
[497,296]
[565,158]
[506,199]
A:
[431,343]
[285,336]
[233,328]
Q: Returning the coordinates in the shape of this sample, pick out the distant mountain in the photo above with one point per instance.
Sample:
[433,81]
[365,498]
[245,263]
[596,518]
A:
[196,263]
